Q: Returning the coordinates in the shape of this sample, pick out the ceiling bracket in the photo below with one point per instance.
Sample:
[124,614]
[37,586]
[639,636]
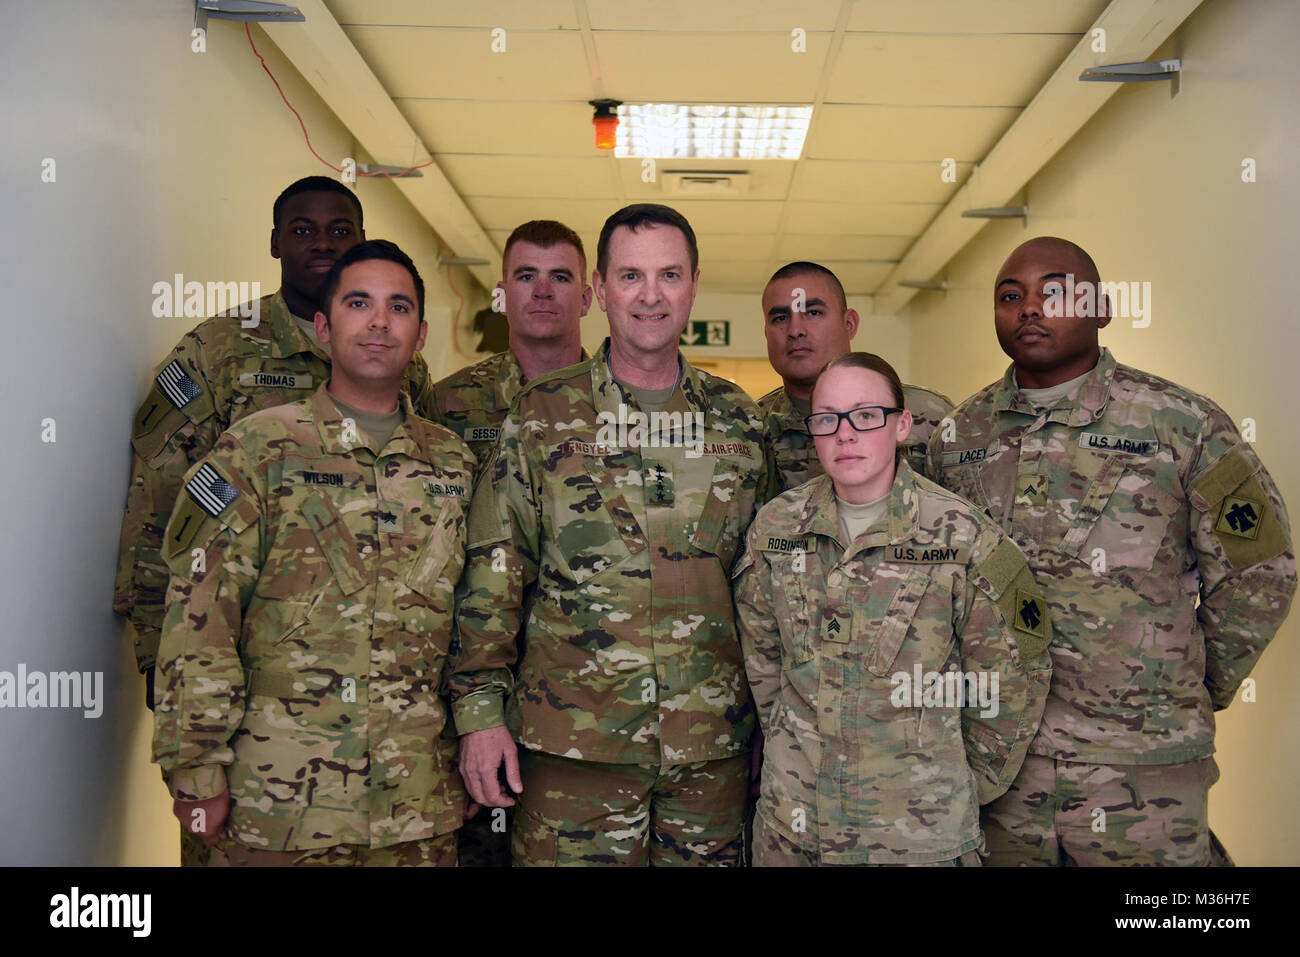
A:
[244,10]
[1142,72]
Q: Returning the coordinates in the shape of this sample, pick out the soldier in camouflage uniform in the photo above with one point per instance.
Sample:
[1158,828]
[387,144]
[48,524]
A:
[606,536]
[896,646]
[220,372]
[314,554]
[1132,499]
[546,295]
[800,341]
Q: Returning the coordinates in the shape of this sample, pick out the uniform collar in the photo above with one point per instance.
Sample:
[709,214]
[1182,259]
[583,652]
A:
[1082,407]
[902,517]
[286,338]
[329,429]
[784,411]
[690,395]
[509,380]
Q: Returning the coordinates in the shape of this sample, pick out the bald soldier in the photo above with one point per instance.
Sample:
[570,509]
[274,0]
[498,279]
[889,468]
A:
[621,488]
[314,554]
[1163,549]
[808,322]
[546,295]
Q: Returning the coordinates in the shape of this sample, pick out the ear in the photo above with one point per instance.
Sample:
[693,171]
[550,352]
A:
[598,284]
[586,300]
[322,326]
[904,427]
[275,243]
[1103,310]
[851,320]
[424,331]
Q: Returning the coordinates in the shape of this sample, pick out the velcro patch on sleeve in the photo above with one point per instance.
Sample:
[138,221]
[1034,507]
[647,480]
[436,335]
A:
[210,490]
[1002,566]
[175,383]
[1221,478]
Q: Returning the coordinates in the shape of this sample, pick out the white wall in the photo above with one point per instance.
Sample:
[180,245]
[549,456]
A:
[1152,188]
[166,161]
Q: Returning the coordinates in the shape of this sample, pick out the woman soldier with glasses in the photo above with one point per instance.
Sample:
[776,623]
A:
[896,645]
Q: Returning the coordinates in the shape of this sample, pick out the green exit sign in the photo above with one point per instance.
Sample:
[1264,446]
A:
[710,332]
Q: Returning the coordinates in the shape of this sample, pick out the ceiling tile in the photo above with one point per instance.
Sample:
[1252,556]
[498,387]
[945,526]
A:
[861,218]
[531,176]
[987,16]
[459,64]
[741,67]
[851,182]
[944,70]
[855,131]
[507,14]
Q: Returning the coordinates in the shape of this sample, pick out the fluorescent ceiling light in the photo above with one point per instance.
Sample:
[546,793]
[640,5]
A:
[669,130]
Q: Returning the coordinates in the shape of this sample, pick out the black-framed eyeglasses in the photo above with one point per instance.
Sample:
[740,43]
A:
[866,419]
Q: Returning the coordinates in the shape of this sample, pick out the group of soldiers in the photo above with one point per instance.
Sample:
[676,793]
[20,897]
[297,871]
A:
[517,616]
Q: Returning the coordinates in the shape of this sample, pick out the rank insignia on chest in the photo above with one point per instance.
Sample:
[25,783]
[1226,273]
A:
[657,477]
[838,622]
[1240,517]
[390,518]
[1032,490]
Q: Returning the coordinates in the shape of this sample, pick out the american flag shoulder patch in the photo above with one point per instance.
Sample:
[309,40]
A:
[210,491]
[176,384]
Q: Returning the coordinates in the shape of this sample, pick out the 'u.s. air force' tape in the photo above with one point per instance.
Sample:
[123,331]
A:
[176,384]
[210,491]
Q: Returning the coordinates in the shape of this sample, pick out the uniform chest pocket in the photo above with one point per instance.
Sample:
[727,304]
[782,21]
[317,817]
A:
[891,633]
[1123,518]
[594,525]
[796,616]
[337,543]
[718,529]
[437,567]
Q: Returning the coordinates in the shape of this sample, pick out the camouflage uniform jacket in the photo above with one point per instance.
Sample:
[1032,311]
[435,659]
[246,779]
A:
[308,621]
[217,374]
[865,758]
[1132,498]
[473,402]
[612,552]
[792,456]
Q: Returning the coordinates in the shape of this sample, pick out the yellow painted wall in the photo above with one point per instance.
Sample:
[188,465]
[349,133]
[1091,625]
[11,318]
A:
[1152,188]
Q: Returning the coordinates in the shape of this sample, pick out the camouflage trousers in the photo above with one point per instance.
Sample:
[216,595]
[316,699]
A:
[1064,813]
[584,813]
[485,838]
[773,850]
[439,851]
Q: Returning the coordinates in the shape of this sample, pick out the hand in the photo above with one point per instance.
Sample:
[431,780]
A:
[482,753]
[207,818]
[756,762]
[472,808]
